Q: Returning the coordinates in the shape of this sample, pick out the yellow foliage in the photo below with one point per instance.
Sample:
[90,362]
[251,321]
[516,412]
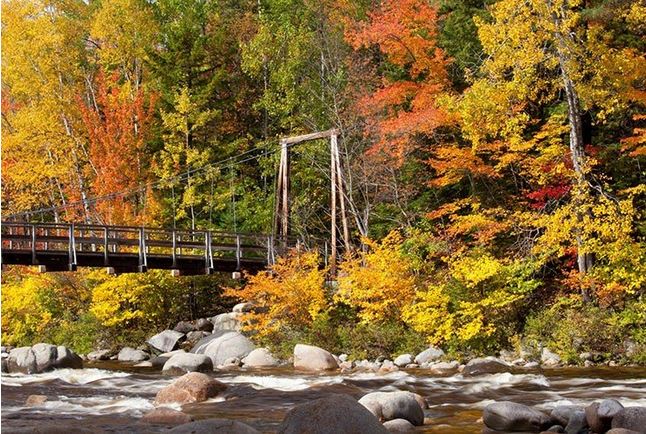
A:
[378,282]
[430,316]
[290,294]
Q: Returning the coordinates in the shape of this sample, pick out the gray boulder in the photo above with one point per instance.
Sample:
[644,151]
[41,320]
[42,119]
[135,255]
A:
[549,358]
[487,365]
[429,355]
[227,321]
[510,416]
[399,425]
[444,368]
[66,358]
[243,307]
[99,355]
[311,358]
[204,325]
[184,327]
[22,359]
[394,405]
[563,413]
[214,426]
[403,360]
[223,345]
[608,409]
[181,363]
[4,365]
[633,418]
[165,341]
[577,423]
[260,358]
[332,414]
[45,356]
[128,354]
[195,336]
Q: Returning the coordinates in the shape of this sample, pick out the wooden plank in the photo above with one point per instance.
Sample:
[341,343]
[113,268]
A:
[311,136]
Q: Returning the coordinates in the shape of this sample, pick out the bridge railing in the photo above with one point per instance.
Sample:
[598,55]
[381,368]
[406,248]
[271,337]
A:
[144,243]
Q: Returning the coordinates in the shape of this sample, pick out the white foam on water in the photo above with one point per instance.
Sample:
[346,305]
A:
[71,376]
[285,384]
[97,405]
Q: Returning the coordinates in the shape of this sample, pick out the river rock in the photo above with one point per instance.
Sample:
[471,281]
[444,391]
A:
[623,431]
[128,354]
[165,341]
[204,325]
[429,355]
[311,358]
[549,358]
[214,426]
[243,307]
[445,368]
[333,414]
[4,365]
[66,358]
[158,362]
[181,363]
[592,418]
[577,423]
[510,416]
[608,409]
[45,356]
[99,355]
[22,359]
[194,337]
[184,327]
[555,428]
[166,416]
[633,418]
[399,425]
[394,405]
[487,365]
[34,400]
[260,358]
[563,413]
[191,387]
[227,321]
[223,345]
[403,360]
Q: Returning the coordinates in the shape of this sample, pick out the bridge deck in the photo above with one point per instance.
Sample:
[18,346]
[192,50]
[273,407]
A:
[60,247]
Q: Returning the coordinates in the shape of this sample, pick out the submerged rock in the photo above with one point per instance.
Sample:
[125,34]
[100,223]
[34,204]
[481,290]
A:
[214,426]
[223,345]
[395,405]
[166,416]
[34,400]
[487,365]
[510,416]
[311,358]
[192,387]
[332,414]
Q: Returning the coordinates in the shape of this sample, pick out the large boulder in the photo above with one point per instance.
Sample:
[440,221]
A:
[394,405]
[608,409]
[311,358]
[260,358]
[549,358]
[403,360]
[512,417]
[429,355]
[563,413]
[192,387]
[223,345]
[166,416]
[577,423]
[633,418]
[214,426]
[487,365]
[41,357]
[444,368]
[128,354]
[66,358]
[227,321]
[181,363]
[45,356]
[332,414]
[22,359]
[165,341]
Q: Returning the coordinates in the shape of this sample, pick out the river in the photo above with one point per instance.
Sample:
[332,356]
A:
[111,397]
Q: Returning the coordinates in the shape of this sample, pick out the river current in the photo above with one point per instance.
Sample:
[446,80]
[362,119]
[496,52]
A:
[111,397]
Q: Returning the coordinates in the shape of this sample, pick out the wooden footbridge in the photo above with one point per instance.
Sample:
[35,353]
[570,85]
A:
[124,249]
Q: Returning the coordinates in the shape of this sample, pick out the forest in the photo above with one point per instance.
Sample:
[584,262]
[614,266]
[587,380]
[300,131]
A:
[493,154]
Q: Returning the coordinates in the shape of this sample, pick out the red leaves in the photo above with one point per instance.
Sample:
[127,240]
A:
[550,192]
[118,124]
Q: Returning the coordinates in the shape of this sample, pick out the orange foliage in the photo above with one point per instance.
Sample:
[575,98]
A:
[118,127]
[406,33]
